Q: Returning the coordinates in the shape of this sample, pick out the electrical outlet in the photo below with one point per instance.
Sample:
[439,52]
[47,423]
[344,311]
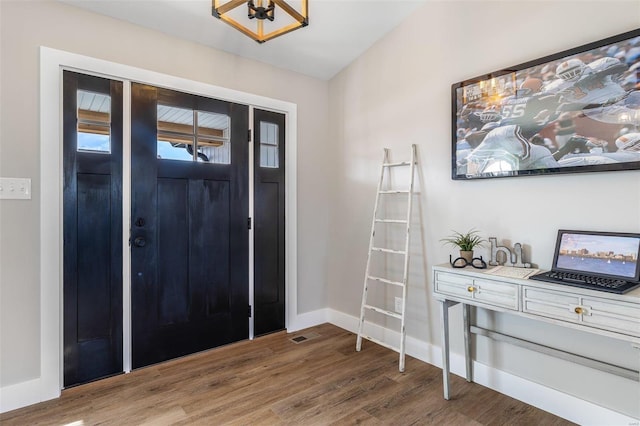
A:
[15,188]
[398,307]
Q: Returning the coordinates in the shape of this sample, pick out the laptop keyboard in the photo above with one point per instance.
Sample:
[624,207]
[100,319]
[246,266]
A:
[587,279]
[611,285]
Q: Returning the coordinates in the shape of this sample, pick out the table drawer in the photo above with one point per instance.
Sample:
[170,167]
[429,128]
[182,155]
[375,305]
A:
[497,293]
[612,315]
[504,295]
[453,285]
[551,304]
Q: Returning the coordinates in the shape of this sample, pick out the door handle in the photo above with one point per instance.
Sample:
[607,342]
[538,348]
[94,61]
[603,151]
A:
[139,242]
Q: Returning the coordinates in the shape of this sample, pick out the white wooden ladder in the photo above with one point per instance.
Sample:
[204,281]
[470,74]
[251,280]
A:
[368,278]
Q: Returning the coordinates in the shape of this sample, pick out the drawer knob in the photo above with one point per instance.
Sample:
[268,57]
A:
[471,289]
[578,310]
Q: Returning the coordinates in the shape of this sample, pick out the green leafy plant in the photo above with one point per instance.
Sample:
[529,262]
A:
[466,241]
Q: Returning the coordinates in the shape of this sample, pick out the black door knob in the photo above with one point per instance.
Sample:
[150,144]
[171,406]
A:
[139,242]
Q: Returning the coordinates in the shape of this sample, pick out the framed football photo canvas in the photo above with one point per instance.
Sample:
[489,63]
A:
[574,111]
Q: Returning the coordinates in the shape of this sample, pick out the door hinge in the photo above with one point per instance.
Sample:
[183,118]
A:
[248,223]
[249,135]
[249,312]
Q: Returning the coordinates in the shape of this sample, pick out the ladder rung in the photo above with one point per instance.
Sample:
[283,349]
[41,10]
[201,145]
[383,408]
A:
[380,342]
[391,221]
[384,311]
[371,277]
[387,250]
[402,163]
[405,191]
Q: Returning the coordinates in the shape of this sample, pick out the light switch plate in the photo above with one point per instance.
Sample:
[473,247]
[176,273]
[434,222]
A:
[15,188]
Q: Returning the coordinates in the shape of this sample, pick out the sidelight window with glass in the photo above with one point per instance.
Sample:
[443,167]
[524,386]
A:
[94,122]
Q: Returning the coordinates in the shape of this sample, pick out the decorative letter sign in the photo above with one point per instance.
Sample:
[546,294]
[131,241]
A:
[514,260]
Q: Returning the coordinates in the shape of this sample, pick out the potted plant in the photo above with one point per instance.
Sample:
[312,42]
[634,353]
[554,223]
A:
[465,242]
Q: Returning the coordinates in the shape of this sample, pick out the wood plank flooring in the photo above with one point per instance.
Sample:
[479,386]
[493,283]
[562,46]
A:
[274,381]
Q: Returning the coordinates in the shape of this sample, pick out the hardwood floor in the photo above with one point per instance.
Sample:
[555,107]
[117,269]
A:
[272,381]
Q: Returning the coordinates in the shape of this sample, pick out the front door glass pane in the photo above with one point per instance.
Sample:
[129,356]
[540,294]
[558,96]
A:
[189,135]
[175,133]
[214,145]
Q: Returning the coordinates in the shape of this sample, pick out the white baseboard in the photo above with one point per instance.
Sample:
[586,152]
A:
[22,394]
[560,404]
[308,319]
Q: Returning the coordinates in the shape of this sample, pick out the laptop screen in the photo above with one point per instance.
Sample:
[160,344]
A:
[608,254]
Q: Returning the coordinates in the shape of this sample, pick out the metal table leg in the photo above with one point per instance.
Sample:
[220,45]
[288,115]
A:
[444,312]
[467,341]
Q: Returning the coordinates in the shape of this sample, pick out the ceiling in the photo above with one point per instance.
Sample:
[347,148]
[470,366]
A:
[339,30]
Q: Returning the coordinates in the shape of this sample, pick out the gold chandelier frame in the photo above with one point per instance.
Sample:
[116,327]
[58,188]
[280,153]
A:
[258,10]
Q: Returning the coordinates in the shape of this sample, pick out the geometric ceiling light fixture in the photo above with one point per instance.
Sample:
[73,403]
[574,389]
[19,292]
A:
[262,14]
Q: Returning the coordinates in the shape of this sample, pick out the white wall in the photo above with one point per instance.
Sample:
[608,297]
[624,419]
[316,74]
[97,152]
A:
[397,94]
[25,26]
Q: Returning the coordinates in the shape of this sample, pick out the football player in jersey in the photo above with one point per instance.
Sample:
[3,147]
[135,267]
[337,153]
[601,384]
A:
[470,117]
[625,111]
[469,142]
[509,145]
[629,142]
[628,151]
[506,149]
[589,85]
[585,90]
[529,108]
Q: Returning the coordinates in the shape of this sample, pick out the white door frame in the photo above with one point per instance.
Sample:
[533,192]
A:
[52,62]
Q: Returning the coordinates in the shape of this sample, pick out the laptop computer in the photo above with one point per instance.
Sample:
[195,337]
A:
[604,261]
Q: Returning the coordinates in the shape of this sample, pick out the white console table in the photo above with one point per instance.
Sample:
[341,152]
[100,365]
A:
[606,314]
